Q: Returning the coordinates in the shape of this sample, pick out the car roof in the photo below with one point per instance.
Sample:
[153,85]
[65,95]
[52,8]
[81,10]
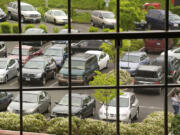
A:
[96,52]
[135,53]
[58,46]
[83,96]
[82,56]
[66,31]
[24,46]
[35,29]
[161,58]
[33,92]
[41,58]
[56,10]
[149,67]
[22,3]
[127,94]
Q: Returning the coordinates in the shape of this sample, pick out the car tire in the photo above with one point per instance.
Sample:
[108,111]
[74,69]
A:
[137,114]
[9,16]
[22,19]
[6,79]
[55,21]
[43,81]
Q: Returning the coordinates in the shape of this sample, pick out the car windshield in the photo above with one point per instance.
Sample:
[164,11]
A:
[130,58]
[3,64]
[108,15]
[34,64]
[124,102]
[54,52]
[76,101]
[174,17]
[28,97]
[75,64]
[27,8]
[15,51]
[59,13]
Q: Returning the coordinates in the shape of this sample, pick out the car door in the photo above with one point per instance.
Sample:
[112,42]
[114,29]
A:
[51,16]
[3,100]
[86,108]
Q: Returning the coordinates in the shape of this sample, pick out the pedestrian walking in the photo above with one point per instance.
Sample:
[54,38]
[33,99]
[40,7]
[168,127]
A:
[175,103]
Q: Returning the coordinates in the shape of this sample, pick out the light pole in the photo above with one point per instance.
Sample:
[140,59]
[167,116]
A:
[46,3]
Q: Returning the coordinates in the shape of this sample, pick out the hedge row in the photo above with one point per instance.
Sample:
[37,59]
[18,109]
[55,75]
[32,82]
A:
[152,125]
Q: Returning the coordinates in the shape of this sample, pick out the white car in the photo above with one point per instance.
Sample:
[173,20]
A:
[56,16]
[129,108]
[102,57]
[173,52]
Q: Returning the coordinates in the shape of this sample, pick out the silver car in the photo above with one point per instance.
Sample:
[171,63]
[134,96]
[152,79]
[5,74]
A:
[8,69]
[33,102]
[56,16]
[129,108]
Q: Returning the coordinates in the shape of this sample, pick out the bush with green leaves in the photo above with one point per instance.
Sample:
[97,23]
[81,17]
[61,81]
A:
[15,28]
[5,27]
[133,45]
[42,26]
[175,125]
[93,29]
[27,26]
[66,26]
[55,29]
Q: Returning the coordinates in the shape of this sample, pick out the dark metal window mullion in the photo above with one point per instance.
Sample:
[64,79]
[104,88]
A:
[166,70]
[69,69]
[117,44]
[20,69]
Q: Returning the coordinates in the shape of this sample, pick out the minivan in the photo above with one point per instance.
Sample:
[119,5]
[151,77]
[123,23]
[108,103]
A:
[82,69]
[157,44]
[149,74]
[173,66]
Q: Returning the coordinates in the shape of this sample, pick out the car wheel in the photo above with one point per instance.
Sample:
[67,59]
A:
[6,79]
[22,19]
[43,81]
[55,21]
[137,114]
[92,23]
[9,16]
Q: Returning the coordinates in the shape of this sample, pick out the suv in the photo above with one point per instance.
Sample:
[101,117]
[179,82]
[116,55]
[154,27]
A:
[149,74]
[156,20]
[157,44]
[3,49]
[104,19]
[173,66]
[28,12]
[82,67]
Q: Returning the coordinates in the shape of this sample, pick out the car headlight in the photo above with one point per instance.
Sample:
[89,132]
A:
[38,75]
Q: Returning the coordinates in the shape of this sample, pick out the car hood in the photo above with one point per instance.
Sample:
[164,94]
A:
[17,57]
[64,109]
[112,110]
[32,71]
[26,106]
[61,17]
[131,65]
[75,72]
[110,20]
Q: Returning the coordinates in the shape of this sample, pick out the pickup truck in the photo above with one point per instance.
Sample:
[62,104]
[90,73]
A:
[28,52]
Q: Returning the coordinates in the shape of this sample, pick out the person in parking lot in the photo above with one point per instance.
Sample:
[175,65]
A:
[175,103]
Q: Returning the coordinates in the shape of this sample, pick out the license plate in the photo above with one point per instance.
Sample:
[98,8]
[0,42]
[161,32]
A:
[27,79]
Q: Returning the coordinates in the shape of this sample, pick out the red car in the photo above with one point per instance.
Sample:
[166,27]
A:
[155,5]
[28,52]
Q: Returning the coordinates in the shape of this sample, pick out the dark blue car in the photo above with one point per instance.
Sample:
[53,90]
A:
[156,20]
[5,99]
[130,61]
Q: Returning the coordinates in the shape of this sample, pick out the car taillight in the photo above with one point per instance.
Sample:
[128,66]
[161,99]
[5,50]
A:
[134,81]
[171,72]
[157,82]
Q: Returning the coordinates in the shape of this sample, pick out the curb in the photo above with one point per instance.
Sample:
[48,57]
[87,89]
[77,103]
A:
[9,132]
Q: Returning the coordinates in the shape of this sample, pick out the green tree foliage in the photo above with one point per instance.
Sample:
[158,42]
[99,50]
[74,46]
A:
[55,29]
[93,29]
[5,27]
[27,26]
[15,28]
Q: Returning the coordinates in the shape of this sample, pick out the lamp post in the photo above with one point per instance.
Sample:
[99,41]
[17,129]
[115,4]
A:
[46,3]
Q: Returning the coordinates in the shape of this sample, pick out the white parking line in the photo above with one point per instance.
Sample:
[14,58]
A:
[53,84]
[13,83]
[151,107]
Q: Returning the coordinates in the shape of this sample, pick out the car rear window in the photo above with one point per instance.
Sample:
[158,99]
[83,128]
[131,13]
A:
[146,74]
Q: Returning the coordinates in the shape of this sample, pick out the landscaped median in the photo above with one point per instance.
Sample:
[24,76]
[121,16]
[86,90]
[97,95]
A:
[37,123]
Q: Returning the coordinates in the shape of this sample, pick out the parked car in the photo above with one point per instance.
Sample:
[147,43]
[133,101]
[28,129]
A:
[173,66]
[83,106]
[149,74]
[157,44]
[56,16]
[102,57]
[65,31]
[33,102]
[104,19]
[156,20]
[28,12]
[3,16]
[128,108]
[39,69]
[8,69]
[58,52]
[173,52]
[154,5]
[34,31]
[82,68]
[3,49]
[28,52]
[130,61]
[5,99]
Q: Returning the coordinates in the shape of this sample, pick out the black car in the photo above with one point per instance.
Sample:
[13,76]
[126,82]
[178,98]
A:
[34,31]
[83,106]
[5,99]
[156,20]
[65,31]
[3,16]
[39,69]
[3,49]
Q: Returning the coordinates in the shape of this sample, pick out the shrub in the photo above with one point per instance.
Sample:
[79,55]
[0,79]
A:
[106,30]
[55,29]
[176,10]
[15,28]
[66,26]
[5,27]
[42,26]
[93,29]
[175,125]
[27,26]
